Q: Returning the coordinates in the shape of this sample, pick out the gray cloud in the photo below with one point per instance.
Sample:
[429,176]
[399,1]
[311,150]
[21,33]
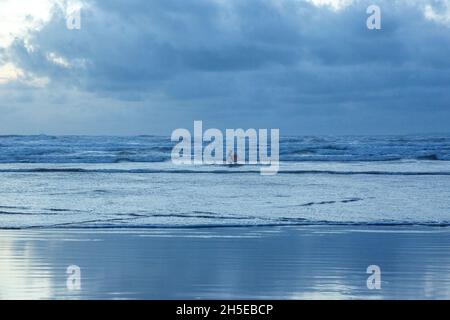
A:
[286,64]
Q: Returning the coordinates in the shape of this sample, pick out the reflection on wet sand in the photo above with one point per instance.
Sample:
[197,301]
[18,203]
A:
[225,263]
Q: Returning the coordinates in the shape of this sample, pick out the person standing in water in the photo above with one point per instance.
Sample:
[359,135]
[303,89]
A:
[232,157]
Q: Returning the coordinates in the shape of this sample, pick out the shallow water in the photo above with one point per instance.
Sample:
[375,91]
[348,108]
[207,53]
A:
[157,195]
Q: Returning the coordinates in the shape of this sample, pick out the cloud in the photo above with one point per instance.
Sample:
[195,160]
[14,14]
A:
[19,17]
[439,13]
[306,66]
[333,4]
[8,73]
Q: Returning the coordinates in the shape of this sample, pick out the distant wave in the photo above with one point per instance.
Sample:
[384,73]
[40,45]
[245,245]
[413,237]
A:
[223,171]
[110,149]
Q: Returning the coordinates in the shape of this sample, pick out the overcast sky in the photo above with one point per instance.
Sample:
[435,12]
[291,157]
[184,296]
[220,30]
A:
[149,67]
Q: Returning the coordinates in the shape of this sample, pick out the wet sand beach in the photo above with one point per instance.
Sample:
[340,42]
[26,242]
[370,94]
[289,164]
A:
[308,262]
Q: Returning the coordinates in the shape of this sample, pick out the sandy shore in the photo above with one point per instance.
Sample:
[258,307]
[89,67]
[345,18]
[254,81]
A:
[227,263]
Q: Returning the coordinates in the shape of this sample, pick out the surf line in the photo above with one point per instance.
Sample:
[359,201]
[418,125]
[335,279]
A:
[208,147]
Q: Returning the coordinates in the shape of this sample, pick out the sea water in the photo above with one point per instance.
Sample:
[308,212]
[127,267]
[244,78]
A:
[130,182]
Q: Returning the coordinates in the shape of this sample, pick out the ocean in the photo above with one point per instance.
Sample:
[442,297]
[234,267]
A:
[140,227]
[130,182]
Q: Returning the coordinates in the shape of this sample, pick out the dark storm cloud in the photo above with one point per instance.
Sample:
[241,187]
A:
[277,63]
